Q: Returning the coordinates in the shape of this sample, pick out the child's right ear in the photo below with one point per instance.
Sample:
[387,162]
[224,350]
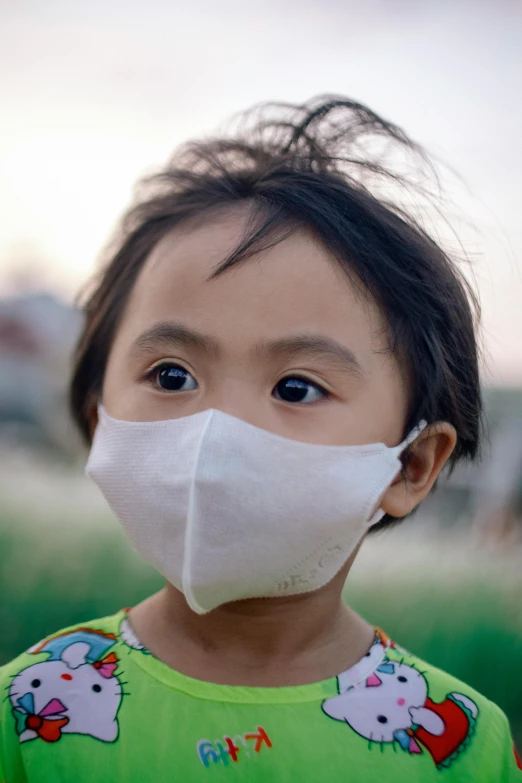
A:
[428,455]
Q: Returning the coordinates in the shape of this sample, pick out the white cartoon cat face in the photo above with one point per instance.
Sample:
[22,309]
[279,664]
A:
[87,694]
[380,705]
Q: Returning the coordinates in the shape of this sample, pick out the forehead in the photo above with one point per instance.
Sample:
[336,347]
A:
[293,286]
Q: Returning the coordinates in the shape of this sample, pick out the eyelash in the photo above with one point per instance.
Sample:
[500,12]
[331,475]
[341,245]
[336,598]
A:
[151,375]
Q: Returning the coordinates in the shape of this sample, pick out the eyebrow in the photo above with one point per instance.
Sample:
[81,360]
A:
[312,346]
[167,334]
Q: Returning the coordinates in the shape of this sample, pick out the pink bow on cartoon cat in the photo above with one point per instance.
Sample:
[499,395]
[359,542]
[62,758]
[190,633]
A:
[107,666]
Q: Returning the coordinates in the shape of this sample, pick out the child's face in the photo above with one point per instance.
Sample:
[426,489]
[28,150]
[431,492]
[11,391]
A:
[287,314]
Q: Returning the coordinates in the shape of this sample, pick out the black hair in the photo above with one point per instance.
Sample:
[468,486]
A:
[310,166]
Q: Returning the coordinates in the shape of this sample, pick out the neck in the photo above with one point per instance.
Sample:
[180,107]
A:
[287,641]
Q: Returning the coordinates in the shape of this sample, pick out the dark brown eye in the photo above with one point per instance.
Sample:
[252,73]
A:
[172,377]
[293,389]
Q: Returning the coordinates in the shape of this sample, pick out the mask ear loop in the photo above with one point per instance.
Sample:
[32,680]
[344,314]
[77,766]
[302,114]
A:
[413,435]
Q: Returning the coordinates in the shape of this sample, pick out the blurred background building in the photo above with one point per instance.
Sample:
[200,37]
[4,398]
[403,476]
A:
[37,334]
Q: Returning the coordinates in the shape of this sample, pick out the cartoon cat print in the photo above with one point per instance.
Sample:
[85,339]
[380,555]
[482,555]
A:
[69,693]
[392,705]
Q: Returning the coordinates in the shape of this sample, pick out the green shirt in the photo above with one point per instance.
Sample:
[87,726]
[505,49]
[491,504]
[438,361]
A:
[91,704]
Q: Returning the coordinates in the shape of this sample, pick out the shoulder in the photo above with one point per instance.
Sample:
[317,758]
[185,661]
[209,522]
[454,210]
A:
[438,685]
[87,641]
[38,701]
[450,718]
[99,634]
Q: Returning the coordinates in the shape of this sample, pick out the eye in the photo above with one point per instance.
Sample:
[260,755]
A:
[402,679]
[295,389]
[36,683]
[382,718]
[171,378]
[96,688]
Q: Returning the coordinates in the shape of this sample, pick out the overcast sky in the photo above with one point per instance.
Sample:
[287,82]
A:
[95,94]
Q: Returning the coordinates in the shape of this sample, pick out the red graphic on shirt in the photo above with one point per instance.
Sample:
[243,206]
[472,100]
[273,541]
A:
[232,748]
[391,705]
[259,738]
[457,725]
[215,752]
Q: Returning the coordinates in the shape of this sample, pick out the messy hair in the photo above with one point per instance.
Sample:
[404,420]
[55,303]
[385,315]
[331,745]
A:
[323,166]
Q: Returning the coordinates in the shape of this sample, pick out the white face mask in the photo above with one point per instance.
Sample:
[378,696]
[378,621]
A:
[227,511]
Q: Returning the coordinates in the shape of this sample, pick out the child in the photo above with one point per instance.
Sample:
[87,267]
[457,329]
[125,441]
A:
[274,361]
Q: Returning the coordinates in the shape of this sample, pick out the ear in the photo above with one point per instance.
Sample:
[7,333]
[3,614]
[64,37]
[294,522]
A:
[426,457]
[75,654]
[335,707]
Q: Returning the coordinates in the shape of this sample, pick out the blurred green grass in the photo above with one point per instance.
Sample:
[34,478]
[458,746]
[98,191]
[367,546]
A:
[466,621]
